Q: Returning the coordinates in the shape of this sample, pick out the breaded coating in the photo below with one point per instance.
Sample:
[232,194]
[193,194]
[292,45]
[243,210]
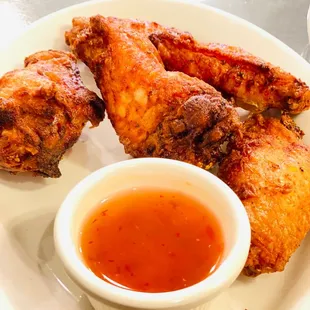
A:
[154,112]
[255,84]
[269,169]
[43,109]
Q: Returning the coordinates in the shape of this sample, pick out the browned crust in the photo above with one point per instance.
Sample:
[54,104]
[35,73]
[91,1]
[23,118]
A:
[154,112]
[43,109]
[269,169]
[255,84]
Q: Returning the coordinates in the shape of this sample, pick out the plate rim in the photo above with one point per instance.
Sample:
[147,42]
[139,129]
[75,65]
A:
[196,3]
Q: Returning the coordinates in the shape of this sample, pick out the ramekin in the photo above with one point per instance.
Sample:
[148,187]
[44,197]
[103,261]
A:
[159,173]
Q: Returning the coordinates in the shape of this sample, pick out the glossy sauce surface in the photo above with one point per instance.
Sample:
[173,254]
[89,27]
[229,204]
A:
[151,240]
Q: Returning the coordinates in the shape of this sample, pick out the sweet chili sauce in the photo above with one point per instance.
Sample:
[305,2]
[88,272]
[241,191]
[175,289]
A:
[151,240]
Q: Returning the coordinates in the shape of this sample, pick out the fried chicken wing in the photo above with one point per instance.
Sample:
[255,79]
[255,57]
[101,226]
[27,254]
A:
[269,169]
[154,112]
[43,109]
[255,84]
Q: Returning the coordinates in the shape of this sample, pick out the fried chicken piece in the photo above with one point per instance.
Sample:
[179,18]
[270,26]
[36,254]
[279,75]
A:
[255,85]
[154,112]
[43,109]
[269,169]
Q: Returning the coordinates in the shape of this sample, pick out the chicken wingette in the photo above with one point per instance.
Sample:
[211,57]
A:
[43,109]
[269,169]
[154,112]
[255,84]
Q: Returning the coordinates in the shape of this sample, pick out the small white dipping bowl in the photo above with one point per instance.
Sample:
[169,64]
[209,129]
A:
[157,173]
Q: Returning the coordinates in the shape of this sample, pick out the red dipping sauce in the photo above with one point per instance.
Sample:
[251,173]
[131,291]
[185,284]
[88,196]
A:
[152,240]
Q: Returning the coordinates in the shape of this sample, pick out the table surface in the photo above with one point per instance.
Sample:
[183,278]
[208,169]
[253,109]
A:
[285,19]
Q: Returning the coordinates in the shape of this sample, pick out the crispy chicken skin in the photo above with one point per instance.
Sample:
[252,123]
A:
[154,112]
[43,109]
[269,169]
[255,85]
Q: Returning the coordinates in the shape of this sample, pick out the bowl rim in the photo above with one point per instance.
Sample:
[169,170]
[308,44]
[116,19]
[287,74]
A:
[222,277]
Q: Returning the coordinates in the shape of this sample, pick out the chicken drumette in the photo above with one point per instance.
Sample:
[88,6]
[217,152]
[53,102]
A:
[154,112]
[43,109]
[269,169]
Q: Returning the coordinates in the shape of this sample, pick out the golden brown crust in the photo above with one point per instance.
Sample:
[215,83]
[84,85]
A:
[43,109]
[255,84]
[154,112]
[269,169]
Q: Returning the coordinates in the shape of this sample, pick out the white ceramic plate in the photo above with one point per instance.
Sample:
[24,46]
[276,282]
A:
[31,276]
